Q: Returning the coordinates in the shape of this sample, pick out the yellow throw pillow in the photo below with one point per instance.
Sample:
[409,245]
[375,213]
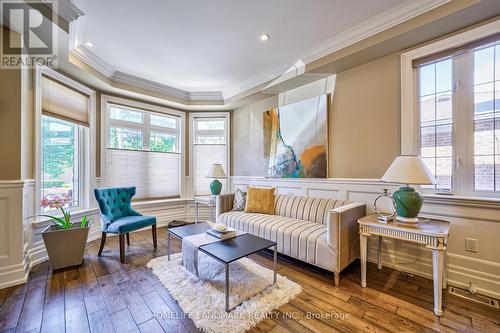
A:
[260,200]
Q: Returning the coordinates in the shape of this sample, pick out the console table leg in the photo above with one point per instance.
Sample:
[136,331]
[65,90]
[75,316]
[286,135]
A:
[196,212]
[168,245]
[437,269]
[363,240]
[379,253]
[275,261]
[227,288]
[445,262]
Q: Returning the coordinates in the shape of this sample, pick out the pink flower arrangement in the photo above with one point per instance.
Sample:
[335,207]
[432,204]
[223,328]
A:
[58,202]
[55,201]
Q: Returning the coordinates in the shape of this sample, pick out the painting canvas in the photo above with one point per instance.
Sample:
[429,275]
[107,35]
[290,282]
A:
[296,138]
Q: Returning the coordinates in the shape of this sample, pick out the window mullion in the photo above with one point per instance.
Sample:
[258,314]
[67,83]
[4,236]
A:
[147,131]
[464,125]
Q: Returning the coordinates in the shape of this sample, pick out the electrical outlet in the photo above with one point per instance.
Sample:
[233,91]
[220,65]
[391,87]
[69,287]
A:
[471,245]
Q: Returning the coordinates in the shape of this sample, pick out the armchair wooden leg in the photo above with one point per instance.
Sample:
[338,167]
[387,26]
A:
[103,241]
[128,239]
[153,227]
[336,277]
[122,248]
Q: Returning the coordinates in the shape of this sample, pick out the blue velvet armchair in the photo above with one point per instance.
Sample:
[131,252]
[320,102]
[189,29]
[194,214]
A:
[118,217]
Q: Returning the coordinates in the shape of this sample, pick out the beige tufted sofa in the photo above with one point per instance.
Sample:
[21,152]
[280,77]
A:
[322,232]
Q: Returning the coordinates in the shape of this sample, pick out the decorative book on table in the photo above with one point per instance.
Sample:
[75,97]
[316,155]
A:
[222,234]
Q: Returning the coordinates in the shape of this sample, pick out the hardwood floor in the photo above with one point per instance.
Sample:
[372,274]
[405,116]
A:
[103,295]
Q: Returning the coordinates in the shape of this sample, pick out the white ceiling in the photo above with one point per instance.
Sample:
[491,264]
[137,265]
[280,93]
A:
[175,43]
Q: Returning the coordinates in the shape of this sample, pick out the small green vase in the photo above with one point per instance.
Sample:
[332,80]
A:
[215,187]
[408,202]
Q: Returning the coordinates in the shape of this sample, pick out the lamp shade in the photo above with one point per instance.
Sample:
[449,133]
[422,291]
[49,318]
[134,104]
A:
[408,169]
[216,171]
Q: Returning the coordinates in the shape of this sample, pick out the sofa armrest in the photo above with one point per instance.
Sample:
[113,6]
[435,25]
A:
[223,204]
[342,232]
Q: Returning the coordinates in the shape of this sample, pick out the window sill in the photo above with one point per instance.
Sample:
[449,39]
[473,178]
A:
[459,200]
[75,214]
[166,202]
[40,221]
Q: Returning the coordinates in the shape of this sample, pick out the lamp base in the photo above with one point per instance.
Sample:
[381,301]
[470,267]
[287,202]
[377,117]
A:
[408,203]
[408,220]
[215,187]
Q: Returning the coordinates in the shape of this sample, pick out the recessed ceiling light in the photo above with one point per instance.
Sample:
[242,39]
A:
[89,44]
[265,37]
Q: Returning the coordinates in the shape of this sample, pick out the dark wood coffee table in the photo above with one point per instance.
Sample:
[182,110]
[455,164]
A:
[226,251]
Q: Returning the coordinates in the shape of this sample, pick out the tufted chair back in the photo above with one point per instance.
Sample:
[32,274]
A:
[115,202]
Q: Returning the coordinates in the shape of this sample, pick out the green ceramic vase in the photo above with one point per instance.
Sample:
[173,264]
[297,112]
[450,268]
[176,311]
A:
[215,187]
[408,202]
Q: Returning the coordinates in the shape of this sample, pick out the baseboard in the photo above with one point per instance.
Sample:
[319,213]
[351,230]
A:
[13,275]
[485,277]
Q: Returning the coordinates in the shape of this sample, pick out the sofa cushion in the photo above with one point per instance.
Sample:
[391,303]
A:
[305,208]
[300,239]
[240,200]
[130,223]
[260,200]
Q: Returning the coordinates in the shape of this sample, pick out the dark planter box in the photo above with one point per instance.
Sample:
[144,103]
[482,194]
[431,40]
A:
[65,247]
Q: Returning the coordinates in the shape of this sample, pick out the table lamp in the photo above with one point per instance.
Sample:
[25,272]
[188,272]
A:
[409,170]
[217,172]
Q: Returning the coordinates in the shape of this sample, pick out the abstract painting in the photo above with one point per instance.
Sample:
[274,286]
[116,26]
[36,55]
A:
[296,138]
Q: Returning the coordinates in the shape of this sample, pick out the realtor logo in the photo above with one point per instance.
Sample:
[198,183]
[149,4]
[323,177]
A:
[28,34]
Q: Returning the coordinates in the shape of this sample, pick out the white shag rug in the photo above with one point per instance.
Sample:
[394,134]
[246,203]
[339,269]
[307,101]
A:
[203,298]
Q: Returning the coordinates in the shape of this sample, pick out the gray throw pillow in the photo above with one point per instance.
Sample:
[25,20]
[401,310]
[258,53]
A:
[240,200]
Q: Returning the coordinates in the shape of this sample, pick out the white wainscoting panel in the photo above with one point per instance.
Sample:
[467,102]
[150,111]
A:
[12,265]
[469,218]
[4,228]
[21,245]
[322,193]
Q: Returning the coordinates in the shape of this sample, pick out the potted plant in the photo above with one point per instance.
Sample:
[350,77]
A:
[65,241]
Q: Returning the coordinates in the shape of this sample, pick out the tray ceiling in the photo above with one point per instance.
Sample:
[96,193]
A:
[211,49]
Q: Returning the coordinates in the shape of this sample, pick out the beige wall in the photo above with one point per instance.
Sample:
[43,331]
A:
[363,121]
[27,124]
[10,123]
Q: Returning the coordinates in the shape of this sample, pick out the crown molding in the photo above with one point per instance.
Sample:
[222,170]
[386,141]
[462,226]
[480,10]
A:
[373,26]
[89,58]
[368,28]
[135,81]
[141,83]
[206,95]
[66,9]
[118,78]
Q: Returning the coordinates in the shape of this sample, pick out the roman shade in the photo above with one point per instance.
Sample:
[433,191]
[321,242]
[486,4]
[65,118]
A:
[154,174]
[203,158]
[62,102]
